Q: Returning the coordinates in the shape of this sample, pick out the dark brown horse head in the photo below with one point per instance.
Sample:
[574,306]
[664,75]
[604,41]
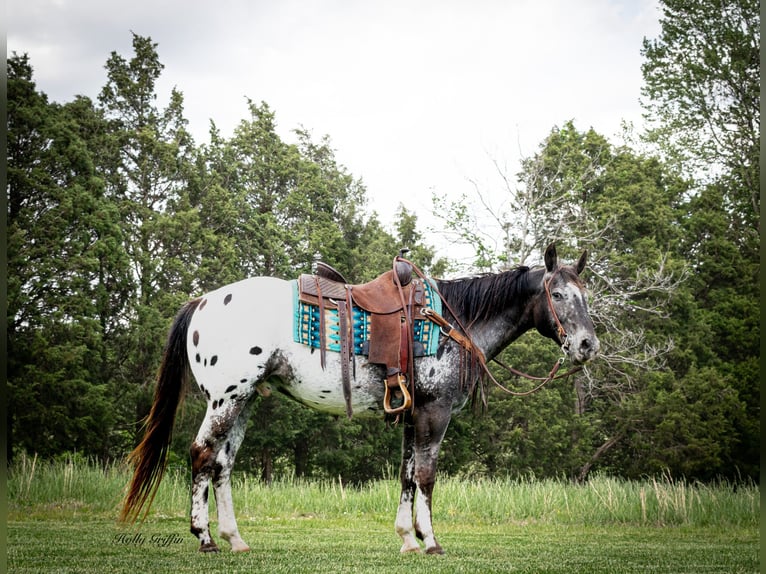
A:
[562,309]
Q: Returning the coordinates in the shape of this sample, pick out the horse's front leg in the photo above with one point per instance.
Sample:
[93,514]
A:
[422,437]
[404,516]
[431,422]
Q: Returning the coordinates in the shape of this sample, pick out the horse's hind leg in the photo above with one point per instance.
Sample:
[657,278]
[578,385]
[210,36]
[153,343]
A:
[212,454]
[227,522]
[203,462]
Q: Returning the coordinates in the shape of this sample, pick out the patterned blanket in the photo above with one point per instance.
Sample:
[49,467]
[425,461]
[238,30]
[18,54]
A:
[306,326]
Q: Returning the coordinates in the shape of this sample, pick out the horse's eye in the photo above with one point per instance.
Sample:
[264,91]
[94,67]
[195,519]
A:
[557,295]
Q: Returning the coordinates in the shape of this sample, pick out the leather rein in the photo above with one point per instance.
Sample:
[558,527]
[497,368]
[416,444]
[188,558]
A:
[464,340]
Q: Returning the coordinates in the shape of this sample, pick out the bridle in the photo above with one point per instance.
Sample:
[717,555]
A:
[562,333]
[563,337]
[464,340]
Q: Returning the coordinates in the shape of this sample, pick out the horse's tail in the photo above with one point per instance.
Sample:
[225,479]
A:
[149,458]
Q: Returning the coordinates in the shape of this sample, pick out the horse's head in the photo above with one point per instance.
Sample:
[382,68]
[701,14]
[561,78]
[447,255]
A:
[562,309]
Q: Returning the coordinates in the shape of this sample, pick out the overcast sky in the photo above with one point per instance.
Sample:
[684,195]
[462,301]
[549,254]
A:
[417,96]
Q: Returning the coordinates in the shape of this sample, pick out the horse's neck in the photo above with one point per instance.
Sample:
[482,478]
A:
[495,333]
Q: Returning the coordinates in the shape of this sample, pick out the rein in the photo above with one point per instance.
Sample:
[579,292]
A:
[464,340]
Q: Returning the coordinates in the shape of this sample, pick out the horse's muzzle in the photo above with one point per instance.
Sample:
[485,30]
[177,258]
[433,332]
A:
[583,348]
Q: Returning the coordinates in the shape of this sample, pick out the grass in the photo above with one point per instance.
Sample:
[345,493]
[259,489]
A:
[62,518]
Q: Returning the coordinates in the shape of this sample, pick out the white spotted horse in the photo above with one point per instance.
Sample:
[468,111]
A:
[239,341]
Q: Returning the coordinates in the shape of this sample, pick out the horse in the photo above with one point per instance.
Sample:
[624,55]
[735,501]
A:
[238,342]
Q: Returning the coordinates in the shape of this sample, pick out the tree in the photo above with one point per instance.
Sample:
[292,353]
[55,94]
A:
[268,207]
[623,213]
[146,180]
[59,307]
[628,210]
[702,95]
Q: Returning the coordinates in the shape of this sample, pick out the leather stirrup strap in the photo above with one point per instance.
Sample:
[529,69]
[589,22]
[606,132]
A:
[396,379]
[322,345]
[409,364]
[345,357]
[351,334]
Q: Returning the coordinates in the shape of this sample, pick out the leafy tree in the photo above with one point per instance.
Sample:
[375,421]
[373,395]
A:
[268,207]
[702,94]
[213,241]
[146,179]
[59,306]
[271,208]
[627,210]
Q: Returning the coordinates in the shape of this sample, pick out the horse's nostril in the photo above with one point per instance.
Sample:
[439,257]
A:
[586,344]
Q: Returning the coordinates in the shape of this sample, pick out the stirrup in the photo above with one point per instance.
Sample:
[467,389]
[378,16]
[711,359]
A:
[401,379]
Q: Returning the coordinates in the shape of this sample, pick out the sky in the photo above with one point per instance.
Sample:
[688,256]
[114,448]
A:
[418,97]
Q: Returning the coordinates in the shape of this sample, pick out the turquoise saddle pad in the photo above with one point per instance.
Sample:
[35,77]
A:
[306,326]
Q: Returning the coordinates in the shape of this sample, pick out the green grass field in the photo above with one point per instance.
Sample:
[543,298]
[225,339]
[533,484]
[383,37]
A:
[62,519]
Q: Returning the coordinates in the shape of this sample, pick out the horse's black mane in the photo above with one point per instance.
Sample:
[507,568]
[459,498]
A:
[479,297]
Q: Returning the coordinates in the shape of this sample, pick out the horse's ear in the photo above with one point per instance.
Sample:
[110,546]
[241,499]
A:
[581,262]
[551,259]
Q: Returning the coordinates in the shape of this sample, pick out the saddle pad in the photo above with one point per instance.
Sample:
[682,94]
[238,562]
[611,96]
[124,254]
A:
[306,326]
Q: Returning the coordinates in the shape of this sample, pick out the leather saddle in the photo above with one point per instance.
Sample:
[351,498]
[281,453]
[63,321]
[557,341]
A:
[393,300]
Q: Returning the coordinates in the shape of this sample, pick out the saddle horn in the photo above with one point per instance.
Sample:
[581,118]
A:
[403,268]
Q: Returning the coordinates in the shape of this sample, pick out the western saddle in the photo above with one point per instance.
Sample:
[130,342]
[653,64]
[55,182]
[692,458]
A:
[393,300]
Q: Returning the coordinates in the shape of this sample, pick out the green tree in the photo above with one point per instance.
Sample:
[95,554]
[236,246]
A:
[211,193]
[65,267]
[139,220]
[629,210]
[146,179]
[702,95]
[269,207]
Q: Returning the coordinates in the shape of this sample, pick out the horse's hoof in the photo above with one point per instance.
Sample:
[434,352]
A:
[240,548]
[209,547]
[410,549]
[435,550]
